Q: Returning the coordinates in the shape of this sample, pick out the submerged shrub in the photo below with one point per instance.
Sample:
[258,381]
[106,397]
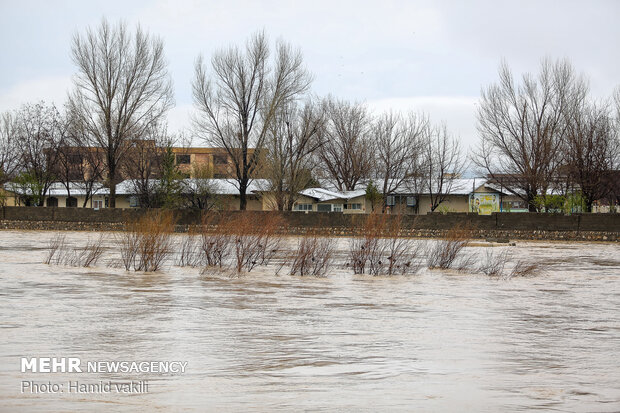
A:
[381,250]
[147,241]
[60,253]
[444,253]
[254,242]
[214,244]
[54,248]
[523,268]
[88,256]
[189,253]
[365,250]
[494,263]
[313,255]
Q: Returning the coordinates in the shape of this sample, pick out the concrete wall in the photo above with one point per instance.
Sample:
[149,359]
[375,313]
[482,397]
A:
[525,222]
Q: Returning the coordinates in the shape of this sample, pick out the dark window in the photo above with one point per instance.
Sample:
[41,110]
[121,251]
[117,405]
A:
[75,159]
[71,202]
[52,202]
[183,159]
[220,159]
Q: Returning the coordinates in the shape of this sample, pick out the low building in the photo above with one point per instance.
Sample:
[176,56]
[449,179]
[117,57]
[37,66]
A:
[324,200]
[464,195]
[76,196]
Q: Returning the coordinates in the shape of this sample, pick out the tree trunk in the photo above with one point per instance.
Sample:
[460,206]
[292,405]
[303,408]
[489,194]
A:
[112,182]
[531,206]
[243,202]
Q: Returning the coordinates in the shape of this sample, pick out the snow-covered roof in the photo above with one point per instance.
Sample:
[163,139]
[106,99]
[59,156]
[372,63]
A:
[128,187]
[354,194]
[463,186]
[459,186]
[216,185]
[59,189]
[321,194]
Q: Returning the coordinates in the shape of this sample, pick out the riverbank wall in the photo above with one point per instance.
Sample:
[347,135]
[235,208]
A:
[575,227]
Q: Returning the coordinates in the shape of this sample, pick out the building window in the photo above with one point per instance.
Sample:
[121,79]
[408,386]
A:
[324,208]
[354,206]
[220,159]
[71,202]
[411,201]
[390,200]
[75,159]
[337,207]
[133,201]
[98,204]
[303,207]
[183,159]
[52,202]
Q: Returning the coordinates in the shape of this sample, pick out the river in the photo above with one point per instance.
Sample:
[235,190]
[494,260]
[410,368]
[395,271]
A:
[434,341]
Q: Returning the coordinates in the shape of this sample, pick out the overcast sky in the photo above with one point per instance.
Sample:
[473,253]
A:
[431,56]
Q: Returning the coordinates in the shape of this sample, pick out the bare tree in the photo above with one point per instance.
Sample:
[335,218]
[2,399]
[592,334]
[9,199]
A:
[78,165]
[443,164]
[616,99]
[592,150]
[347,155]
[237,102]
[122,87]
[40,130]
[144,164]
[294,135]
[8,147]
[522,127]
[399,144]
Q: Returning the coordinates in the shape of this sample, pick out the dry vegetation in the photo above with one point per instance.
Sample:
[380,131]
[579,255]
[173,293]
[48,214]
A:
[245,242]
[60,253]
[189,251]
[54,248]
[313,255]
[494,263]
[88,256]
[381,251]
[444,254]
[523,268]
[147,242]
[254,243]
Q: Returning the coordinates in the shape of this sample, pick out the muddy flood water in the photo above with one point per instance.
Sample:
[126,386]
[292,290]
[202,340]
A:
[434,341]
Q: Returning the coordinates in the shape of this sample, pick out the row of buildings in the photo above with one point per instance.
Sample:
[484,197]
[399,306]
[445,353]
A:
[465,195]
[476,195]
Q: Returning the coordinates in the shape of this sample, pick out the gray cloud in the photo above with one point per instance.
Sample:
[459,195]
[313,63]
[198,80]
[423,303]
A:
[409,55]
